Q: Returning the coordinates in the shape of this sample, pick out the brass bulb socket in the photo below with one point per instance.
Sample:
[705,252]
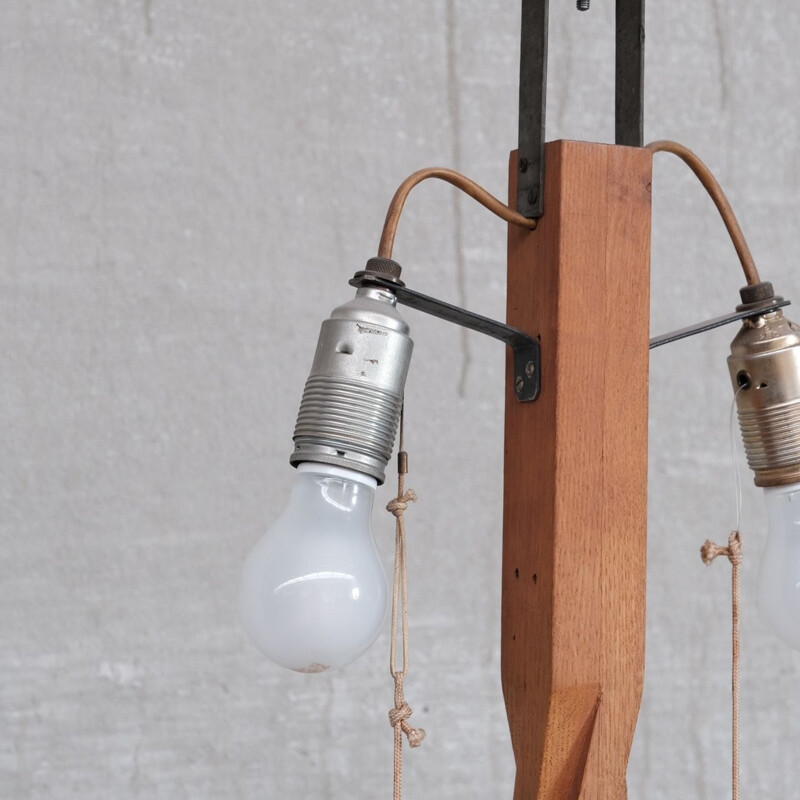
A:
[764,367]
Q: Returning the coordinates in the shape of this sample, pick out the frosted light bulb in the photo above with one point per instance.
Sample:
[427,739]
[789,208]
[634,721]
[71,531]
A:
[779,576]
[313,592]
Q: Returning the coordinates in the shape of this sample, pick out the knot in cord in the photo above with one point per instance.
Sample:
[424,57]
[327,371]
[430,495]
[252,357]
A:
[399,717]
[399,504]
[710,550]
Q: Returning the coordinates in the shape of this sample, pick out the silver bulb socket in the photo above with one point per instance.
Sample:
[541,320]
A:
[765,371]
[353,397]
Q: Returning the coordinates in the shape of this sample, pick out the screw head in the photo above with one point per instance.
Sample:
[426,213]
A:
[519,385]
[523,165]
[530,369]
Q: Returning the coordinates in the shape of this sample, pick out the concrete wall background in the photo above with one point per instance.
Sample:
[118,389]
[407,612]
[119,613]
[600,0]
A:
[187,187]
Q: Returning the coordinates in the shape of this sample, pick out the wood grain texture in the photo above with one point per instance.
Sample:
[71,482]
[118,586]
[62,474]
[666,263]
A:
[575,515]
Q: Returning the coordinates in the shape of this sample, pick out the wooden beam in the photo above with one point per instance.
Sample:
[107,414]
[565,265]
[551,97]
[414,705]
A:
[575,516]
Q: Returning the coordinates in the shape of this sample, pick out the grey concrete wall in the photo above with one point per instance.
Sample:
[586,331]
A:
[186,187]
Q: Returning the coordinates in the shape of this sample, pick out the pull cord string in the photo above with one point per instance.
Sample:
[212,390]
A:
[399,715]
[709,551]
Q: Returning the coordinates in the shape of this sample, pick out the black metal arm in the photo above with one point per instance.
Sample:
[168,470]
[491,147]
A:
[527,349]
[629,95]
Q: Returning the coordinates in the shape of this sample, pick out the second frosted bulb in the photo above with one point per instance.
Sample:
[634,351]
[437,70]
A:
[779,576]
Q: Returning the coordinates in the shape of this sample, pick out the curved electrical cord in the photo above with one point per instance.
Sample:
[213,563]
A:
[460,182]
[499,208]
[720,201]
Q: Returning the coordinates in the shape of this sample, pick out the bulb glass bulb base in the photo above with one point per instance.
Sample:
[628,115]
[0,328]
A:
[779,576]
[313,594]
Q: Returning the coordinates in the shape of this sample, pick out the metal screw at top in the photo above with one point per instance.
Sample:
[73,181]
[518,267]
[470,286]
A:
[582,5]
[519,385]
[523,165]
[530,369]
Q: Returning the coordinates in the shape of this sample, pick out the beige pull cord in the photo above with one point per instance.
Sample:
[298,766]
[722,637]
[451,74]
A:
[709,551]
[399,715]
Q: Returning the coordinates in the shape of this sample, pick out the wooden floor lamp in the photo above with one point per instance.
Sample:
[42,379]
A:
[575,496]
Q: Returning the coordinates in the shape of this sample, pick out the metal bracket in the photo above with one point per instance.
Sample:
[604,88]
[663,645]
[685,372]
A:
[527,349]
[532,103]
[716,322]
[629,92]
[629,95]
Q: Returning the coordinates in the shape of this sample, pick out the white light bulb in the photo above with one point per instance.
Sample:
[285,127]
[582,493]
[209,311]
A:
[313,593]
[779,577]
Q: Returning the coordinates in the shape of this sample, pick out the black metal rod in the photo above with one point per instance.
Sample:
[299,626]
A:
[532,103]
[517,339]
[629,94]
[716,322]
[513,337]
[527,349]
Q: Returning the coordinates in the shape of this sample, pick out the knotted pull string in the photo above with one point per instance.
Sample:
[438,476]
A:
[400,714]
[709,551]
[400,503]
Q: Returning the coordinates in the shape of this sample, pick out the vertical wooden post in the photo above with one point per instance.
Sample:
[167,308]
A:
[575,518]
